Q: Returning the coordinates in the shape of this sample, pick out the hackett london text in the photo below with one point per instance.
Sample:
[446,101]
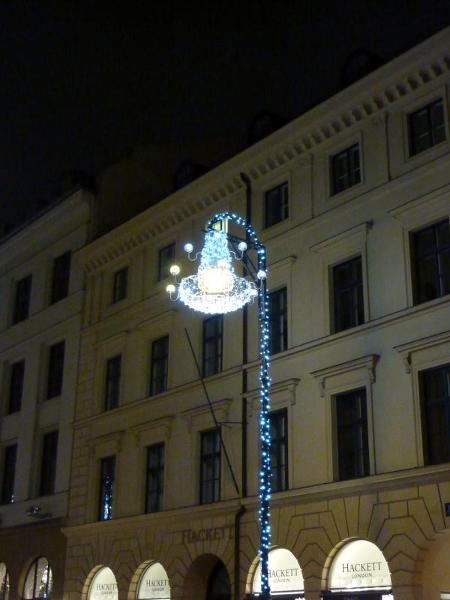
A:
[361,567]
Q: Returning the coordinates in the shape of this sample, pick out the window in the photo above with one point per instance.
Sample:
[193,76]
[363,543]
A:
[345,169]
[210,466]
[9,472]
[166,257]
[22,301]
[278,321]
[352,435]
[348,294]
[159,365]
[155,478]
[61,276]
[112,383]
[107,474]
[39,581]
[426,127]
[55,370]
[17,372]
[219,585]
[48,465]
[212,345]
[435,396]
[276,205]
[120,283]
[431,258]
[279,450]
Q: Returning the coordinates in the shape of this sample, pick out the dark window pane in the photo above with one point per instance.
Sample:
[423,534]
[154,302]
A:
[166,259]
[435,388]
[345,169]
[276,205]
[219,585]
[155,478]
[120,284]
[16,386]
[278,321]
[210,466]
[279,451]
[431,249]
[48,466]
[348,295]
[426,127]
[55,370]
[9,472]
[107,477]
[112,383]
[212,345]
[61,277]
[22,300]
[352,436]
[159,366]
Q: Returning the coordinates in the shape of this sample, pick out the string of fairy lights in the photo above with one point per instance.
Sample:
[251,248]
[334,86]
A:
[217,289]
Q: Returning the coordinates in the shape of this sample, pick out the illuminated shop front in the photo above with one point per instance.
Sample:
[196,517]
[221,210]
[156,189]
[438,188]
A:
[154,583]
[103,586]
[285,576]
[359,570]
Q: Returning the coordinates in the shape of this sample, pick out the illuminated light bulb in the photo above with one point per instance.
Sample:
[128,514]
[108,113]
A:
[174,270]
[170,289]
[188,247]
[218,280]
[242,246]
[261,274]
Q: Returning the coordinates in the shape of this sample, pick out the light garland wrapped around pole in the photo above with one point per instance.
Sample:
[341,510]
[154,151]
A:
[216,289]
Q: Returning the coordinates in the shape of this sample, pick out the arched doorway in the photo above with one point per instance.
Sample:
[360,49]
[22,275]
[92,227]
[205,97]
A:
[435,568]
[285,576]
[4,582]
[103,585]
[39,580]
[219,586]
[359,571]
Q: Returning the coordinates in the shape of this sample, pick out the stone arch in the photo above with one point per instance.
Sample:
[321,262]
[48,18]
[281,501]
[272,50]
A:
[197,576]
[434,566]
[139,573]
[289,561]
[91,577]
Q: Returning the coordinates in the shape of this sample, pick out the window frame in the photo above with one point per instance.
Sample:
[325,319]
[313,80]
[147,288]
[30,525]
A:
[436,255]
[47,478]
[103,466]
[111,391]
[155,389]
[280,313]
[15,396]
[356,306]
[163,260]
[8,474]
[22,299]
[356,425]
[120,285]
[151,473]
[412,143]
[349,173]
[48,593]
[426,446]
[61,277]
[214,340]
[284,210]
[206,457]
[55,370]
[281,446]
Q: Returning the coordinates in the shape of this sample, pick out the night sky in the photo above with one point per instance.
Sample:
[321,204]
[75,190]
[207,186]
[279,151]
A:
[83,82]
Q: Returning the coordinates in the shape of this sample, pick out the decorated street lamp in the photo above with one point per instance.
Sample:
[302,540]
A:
[217,289]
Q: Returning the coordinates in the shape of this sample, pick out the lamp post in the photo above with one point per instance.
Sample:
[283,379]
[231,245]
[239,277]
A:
[216,289]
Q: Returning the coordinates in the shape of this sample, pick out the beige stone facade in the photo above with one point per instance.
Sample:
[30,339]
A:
[402,504]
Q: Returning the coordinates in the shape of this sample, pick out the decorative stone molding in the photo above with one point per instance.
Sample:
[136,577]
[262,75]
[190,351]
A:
[105,445]
[200,417]
[406,350]
[156,428]
[366,363]
[357,233]
[280,392]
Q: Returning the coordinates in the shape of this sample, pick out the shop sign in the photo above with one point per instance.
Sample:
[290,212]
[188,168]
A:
[360,564]
[154,584]
[285,574]
[207,534]
[103,586]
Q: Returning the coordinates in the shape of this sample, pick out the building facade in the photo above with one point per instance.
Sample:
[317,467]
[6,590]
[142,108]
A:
[352,200]
[40,321]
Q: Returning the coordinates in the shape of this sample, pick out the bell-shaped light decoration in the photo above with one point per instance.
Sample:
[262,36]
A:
[216,288]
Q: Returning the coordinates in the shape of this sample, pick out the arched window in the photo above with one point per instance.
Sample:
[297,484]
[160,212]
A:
[285,576]
[219,587]
[4,582]
[154,583]
[103,585]
[39,580]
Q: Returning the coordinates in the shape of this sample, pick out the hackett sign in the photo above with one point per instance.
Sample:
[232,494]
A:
[208,534]
[359,564]
[361,567]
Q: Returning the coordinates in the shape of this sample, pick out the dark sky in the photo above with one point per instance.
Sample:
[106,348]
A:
[83,82]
